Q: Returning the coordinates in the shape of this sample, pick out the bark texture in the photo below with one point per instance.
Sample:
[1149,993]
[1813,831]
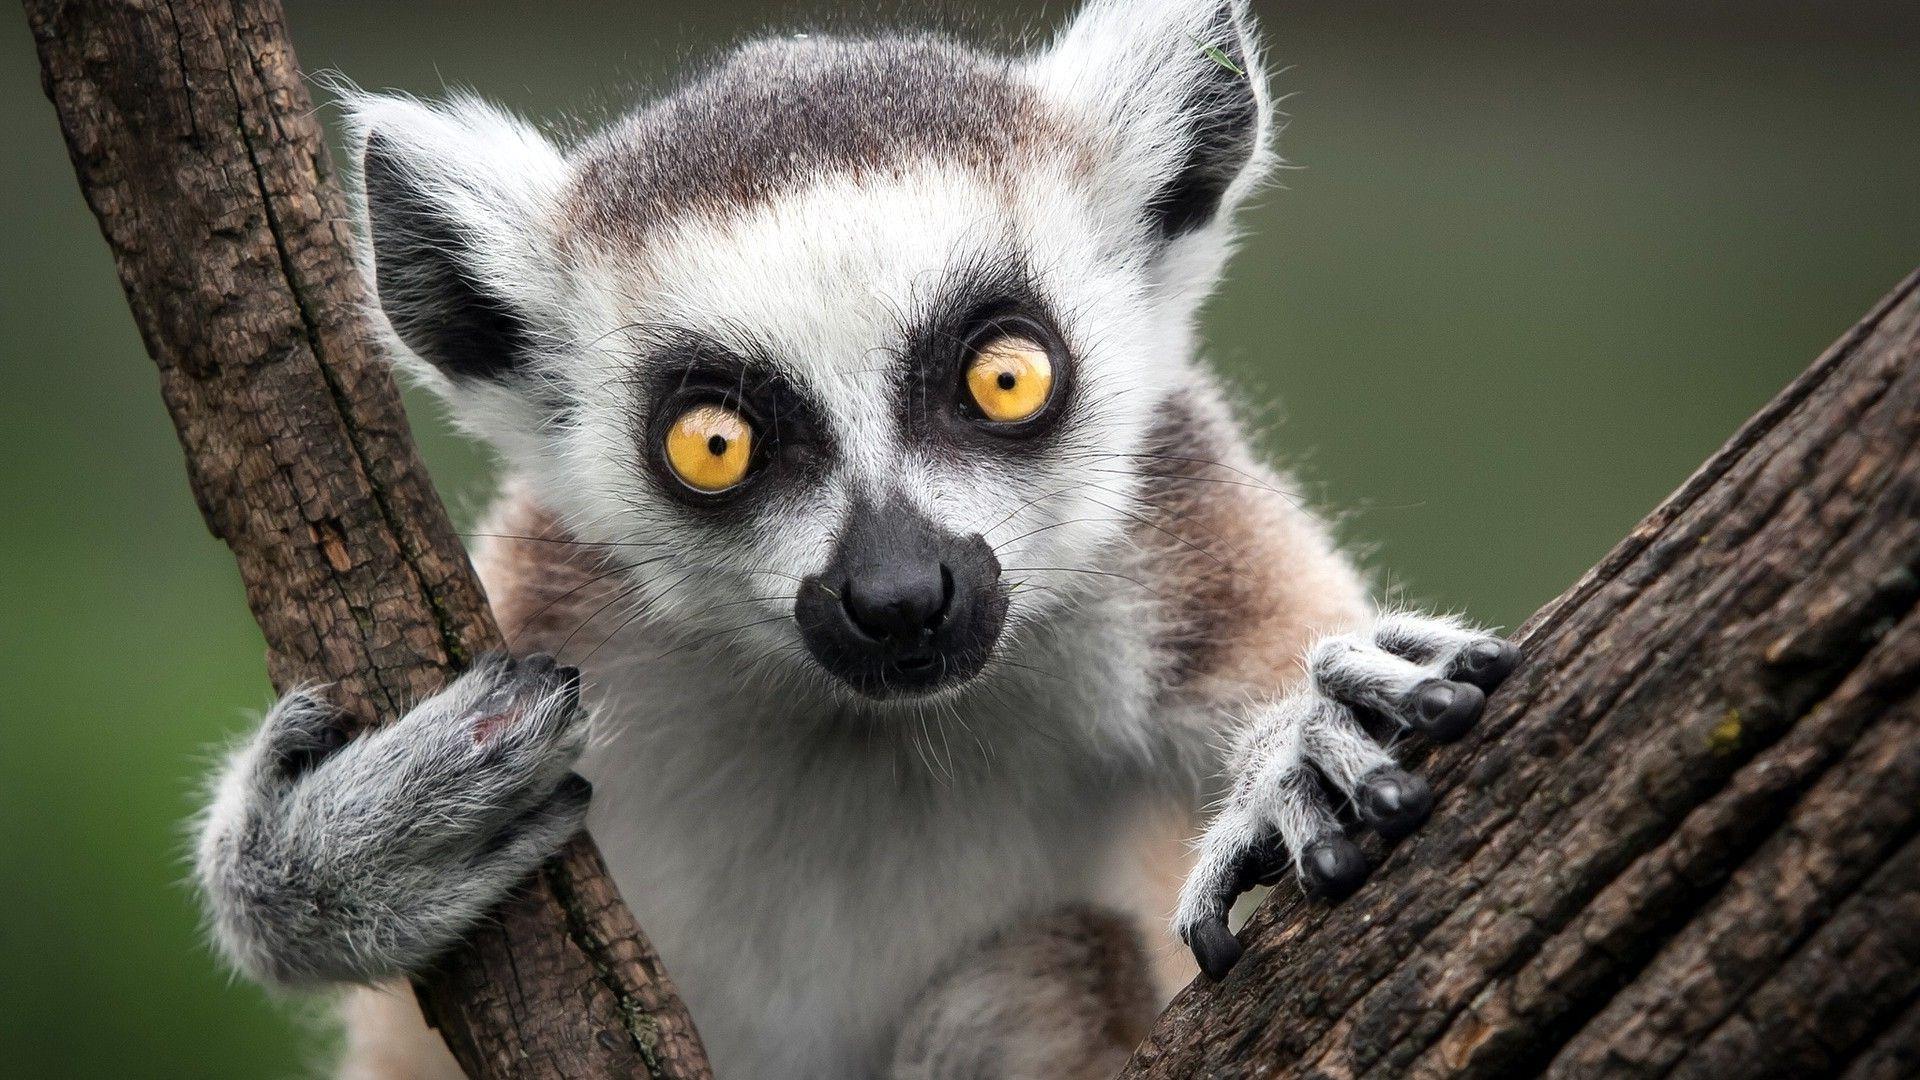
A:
[1685,840]
[196,145]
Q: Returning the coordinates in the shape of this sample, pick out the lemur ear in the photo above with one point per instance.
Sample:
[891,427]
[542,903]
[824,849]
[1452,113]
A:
[458,198]
[1178,91]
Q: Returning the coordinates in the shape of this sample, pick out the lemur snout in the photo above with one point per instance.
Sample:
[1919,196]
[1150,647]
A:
[903,606]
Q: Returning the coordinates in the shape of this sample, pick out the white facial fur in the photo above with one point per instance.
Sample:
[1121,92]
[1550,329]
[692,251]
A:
[822,280]
[821,283]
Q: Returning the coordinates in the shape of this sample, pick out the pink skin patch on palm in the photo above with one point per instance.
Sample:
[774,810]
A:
[486,727]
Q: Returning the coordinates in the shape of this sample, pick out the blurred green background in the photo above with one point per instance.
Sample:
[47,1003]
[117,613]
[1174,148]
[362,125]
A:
[1537,261]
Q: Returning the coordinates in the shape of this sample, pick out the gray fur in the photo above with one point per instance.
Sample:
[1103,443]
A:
[783,112]
[1061,996]
[370,862]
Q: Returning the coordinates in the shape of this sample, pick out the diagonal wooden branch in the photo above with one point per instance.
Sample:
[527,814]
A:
[196,145]
[1686,840]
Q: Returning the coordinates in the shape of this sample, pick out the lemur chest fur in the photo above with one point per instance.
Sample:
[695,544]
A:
[803,874]
[806,867]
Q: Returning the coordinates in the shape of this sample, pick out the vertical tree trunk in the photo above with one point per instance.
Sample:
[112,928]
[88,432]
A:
[1686,840]
[197,148]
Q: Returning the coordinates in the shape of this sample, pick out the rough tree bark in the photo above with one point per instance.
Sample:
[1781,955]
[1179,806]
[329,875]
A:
[1686,839]
[197,147]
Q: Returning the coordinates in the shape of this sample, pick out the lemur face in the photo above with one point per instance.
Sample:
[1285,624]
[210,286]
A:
[849,348]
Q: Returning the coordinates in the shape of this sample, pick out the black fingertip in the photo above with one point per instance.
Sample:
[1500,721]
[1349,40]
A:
[574,788]
[1444,710]
[1486,664]
[1334,868]
[1215,947]
[1393,802]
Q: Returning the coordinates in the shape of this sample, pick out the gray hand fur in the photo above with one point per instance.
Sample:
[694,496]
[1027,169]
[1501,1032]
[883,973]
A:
[323,862]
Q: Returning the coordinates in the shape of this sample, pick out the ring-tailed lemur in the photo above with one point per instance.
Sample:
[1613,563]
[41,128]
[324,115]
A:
[920,585]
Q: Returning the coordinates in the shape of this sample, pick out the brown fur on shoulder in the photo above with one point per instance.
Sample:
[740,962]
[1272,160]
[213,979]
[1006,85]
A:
[550,592]
[1248,577]
[1063,997]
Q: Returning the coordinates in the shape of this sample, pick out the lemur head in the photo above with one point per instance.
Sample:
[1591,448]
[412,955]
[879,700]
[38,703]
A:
[849,347]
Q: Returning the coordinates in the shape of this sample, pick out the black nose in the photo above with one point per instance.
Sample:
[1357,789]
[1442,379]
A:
[902,606]
[901,603]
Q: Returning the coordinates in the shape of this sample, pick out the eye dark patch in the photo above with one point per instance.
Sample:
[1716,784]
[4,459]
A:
[981,298]
[681,368]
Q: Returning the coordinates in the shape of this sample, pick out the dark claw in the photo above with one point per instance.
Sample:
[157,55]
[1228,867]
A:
[1334,868]
[1215,947]
[1394,802]
[1445,710]
[1486,664]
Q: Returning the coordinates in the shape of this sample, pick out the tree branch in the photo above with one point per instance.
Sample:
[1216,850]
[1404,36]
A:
[195,144]
[1686,840]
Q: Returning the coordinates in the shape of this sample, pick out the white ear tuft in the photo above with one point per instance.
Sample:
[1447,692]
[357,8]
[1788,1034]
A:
[1177,90]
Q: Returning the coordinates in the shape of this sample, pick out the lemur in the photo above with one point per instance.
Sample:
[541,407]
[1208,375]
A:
[894,592]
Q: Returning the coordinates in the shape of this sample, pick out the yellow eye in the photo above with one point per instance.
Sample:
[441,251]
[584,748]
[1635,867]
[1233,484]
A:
[1010,378]
[709,448]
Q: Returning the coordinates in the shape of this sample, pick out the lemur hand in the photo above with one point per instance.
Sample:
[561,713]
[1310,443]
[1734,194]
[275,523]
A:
[1426,674]
[328,860]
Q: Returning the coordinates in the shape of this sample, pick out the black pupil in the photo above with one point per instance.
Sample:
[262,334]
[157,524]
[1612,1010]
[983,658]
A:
[717,445]
[1006,380]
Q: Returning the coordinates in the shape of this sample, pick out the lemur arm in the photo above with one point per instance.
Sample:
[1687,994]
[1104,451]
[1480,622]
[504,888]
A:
[326,861]
[1277,657]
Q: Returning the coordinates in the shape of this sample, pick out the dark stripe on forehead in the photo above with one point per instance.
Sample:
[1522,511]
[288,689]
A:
[779,114]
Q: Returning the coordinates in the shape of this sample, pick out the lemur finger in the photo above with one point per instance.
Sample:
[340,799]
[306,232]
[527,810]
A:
[301,730]
[1354,672]
[1485,663]
[1333,867]
[1330,867]
[1389,799]
[1339,748]
[1276,816]
[542,830]
[1213,885]
[1463,653]
[1281,785]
